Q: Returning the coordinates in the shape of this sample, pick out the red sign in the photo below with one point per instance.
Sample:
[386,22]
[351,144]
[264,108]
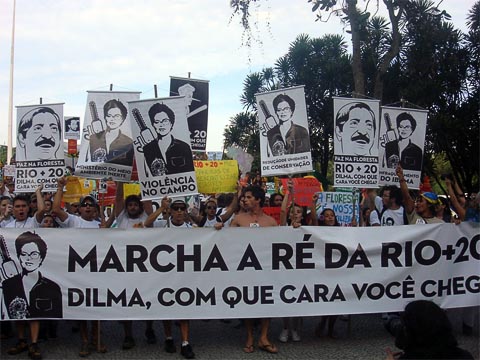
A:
[72,146]
[273,212]
[303,189]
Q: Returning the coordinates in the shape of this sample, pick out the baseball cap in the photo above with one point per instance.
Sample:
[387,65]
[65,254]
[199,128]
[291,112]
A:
[90,197]
[178,202]
[430,197]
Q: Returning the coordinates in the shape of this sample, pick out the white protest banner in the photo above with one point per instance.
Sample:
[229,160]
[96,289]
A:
[238,272]
[341,203]
[72,128]
[106,150]
[284,135]
[39,155]
[402,138]
[196,105]
[162,148]
[355,142]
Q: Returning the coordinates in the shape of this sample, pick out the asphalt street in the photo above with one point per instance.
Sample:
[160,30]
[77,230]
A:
[361,337]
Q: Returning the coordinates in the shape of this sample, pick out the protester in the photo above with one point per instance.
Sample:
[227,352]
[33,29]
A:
[255,217]
[178,209]
[86,220]
[21,220]
[426,333]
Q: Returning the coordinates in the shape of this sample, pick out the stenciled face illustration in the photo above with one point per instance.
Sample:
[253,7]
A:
[43,137]
[162,124]
[114,118]
[358,133]
[74,125]
[405,129]
[284,112]
[29,257]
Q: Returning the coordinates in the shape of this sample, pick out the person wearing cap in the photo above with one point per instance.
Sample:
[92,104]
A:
[86,220]
[423,209]
[178,212]
[131,213]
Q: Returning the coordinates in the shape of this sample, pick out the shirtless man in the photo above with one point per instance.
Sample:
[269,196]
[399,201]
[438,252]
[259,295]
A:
[255,217]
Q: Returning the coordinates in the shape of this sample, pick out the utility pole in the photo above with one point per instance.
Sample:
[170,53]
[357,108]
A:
[10,95]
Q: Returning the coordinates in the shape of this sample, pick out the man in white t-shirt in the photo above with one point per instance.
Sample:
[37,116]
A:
[178,212]
[86,220]
[131,213]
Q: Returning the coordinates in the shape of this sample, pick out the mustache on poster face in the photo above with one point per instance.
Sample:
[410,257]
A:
[361,137]
[45,141]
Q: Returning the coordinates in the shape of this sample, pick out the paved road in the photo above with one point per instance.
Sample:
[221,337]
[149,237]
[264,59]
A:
[366,339]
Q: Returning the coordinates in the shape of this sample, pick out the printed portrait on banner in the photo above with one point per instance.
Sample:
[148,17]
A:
[72,128]
[402,137]
[21,299]
[355,142]
[284,136]
[106,149]
[39,152]
[162,147]
[196,106]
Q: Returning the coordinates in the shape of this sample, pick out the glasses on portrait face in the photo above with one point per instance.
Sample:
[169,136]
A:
[33,255]
[284,109]
[116,116]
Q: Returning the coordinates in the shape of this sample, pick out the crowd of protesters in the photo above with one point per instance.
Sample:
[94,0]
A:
[393,206]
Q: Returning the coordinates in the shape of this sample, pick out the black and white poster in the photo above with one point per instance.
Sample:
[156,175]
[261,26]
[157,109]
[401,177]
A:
[196,105]
[72,128]
[39,153]
[355,142]
[162,148]
[27,292]
[106,150]
[284,135]
[402,138]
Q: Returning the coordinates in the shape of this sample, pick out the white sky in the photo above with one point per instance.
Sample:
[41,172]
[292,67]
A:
[65,47]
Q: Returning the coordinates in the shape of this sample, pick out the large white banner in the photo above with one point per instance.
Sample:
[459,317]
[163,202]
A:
[39,154]
[196,105]
[284,136]
[106,150]
[236,272]
[402,138]
[162,148]
[355,142]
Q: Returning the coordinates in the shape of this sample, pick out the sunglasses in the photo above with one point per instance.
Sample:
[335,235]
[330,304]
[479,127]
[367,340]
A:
[87,204]
[178,208]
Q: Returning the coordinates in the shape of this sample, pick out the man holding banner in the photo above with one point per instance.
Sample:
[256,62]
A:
[254,218]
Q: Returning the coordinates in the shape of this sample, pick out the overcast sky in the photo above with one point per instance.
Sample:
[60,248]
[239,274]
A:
[65,47]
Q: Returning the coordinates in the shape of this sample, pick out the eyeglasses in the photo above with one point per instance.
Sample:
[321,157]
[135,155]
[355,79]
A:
[87,204]
[116,116]
[178,208]
[163,121]
[211,207]
[286,108]
[406,127]
[32,255]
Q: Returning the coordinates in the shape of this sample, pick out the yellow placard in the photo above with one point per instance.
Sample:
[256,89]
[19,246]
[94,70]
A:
[216,176]
[77,187]
[130,189]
